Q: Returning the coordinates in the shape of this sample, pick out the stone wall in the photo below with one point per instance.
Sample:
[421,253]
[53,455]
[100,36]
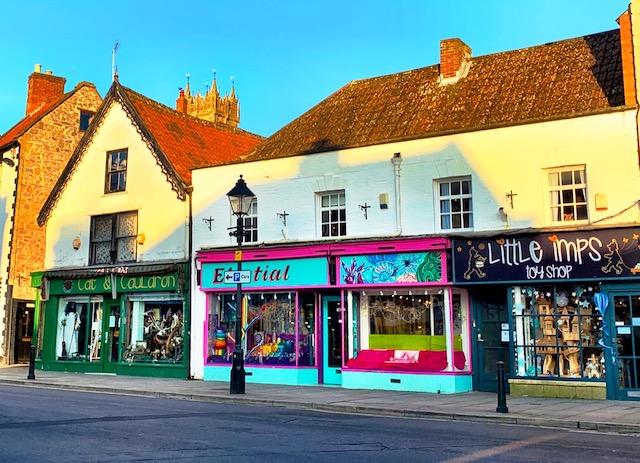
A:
[44,153]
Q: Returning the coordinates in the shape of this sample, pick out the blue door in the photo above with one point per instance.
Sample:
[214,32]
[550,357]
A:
[332,323]
[625,352]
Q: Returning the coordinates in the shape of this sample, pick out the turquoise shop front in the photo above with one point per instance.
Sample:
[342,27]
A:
[367,315]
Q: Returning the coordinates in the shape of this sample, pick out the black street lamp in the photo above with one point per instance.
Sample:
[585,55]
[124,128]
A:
[240,198]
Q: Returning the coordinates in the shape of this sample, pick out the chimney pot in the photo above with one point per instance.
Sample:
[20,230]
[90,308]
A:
[37,68]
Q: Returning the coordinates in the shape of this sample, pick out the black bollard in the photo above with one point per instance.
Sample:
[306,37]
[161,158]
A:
[32,363]
[502,391]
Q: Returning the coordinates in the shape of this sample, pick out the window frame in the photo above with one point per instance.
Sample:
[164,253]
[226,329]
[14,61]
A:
[557,210]
[250,223]
[462,197]
[114,240]
[85,120]
[339,220]
[119,172]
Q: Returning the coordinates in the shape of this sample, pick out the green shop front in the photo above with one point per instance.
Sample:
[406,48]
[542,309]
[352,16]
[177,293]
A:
[125,320]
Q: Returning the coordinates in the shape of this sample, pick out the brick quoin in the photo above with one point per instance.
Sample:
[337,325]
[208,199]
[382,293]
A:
[626,50]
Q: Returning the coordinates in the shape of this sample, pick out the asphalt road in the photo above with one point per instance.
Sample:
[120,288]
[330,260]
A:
[43,425]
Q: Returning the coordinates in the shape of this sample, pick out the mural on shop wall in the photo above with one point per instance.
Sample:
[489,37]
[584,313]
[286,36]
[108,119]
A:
[391,268]
[549,256]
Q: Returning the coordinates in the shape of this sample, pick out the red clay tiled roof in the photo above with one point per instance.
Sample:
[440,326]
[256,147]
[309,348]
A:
[556,80]
[178,141]
[189,142]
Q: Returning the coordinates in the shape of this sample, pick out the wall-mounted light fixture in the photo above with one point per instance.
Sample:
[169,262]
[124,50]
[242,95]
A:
[503,214]
[141,238]
[77,242]
[283,216]
[384,200]
[364,207]
[9,162]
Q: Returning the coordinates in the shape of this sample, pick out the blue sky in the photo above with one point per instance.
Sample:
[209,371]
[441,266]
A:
[285,56]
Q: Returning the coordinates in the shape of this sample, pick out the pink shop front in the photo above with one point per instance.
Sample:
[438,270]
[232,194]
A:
[365,315]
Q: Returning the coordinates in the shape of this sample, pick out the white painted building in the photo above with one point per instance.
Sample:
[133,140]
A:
[524,153]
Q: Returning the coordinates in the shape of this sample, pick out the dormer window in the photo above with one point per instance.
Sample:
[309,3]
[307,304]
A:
[85,120]
[116,178]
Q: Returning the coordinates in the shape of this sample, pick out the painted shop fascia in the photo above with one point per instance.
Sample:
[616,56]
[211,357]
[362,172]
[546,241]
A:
[375,315]
[574,305]
[129,320]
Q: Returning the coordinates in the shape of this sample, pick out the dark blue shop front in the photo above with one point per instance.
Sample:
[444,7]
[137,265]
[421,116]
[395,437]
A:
[562,310]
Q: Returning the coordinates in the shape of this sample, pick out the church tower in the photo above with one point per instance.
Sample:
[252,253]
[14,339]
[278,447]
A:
[210,106]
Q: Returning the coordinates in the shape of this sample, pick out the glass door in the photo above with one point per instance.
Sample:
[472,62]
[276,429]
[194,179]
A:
[491,328]
[111,336]
[627,346]
[332,323]
[23,332]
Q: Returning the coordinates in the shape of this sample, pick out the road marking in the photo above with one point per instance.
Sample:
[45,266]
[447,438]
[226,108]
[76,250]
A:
[502,449]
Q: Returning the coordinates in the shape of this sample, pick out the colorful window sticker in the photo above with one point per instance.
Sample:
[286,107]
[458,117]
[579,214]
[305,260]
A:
[391,268]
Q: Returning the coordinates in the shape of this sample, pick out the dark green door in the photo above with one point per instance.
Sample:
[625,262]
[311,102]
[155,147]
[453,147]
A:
[491,322]
[110,337]
[625,378]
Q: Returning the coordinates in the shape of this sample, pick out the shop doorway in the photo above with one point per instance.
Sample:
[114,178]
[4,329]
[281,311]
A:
[23,331]
[110,337]
[491,337]
[332,340]
[626,338]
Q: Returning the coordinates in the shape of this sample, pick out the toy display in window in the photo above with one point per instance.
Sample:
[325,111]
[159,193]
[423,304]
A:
[567,330]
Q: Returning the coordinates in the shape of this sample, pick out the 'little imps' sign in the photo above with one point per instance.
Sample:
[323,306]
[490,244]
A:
[599,254]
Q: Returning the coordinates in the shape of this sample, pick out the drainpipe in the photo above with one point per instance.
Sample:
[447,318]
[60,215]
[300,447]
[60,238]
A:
[396,160]
[192,269]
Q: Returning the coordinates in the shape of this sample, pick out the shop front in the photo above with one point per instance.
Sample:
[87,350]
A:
[281,304]
[572,324]
[373,315]
[125,320]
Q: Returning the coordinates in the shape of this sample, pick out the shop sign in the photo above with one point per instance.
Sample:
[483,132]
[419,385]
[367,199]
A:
[271,273]
[598,254]
[124,284]
[384,269]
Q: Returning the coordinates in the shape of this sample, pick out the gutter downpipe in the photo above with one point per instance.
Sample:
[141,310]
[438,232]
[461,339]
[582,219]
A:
[192,272]
[396,160]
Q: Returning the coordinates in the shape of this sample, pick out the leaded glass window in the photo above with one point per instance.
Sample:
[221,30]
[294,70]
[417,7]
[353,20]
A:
[113,238]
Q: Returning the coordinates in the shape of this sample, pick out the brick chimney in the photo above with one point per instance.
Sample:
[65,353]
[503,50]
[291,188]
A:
[43,88]
[455,59]
[181,102]
[626,51]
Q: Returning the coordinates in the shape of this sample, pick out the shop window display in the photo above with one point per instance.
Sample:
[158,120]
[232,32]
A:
[409,332]
[556,330]
[153,332]
[79,329]
[278,329]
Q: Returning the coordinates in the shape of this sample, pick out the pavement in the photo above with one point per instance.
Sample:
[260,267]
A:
[594,415]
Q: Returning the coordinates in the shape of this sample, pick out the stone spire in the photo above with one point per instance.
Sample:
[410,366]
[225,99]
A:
[210,106]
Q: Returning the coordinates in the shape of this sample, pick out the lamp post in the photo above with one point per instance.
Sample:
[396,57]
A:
[240,198]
